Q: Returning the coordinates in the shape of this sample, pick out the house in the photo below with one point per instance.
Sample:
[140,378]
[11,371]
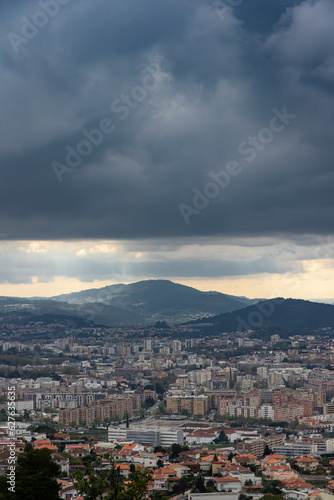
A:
[133,447]
[61,435]
[181,470]
[159,482]
[167,472]
[229,469]
[75,468]
[101,451]
[245,476]
[190,455]
[78,450]
[254,491]
[228,483]
[63,461]
[279,473]
[145,458]
[162,456]
[319,495]
[19,446]
[44,443]
[194,467]
[69,492]
[245,458]
[124,470]
[274,459]
[4,456]
[217,467]
[307,463]
[296,489]
[205,464]
[201,436]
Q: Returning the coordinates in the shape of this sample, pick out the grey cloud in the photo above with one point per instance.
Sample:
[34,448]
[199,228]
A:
[130,187]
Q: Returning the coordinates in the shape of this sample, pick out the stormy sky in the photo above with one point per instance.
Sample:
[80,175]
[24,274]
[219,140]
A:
[183,139]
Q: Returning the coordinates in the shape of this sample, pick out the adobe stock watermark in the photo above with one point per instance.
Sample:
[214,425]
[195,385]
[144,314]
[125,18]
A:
[93,138]
[94,311]
[249,148]
[31,27]
[221,8]
[255,319]
[11,410]
[325,249]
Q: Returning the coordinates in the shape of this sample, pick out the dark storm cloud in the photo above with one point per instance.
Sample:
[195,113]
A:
[218,81]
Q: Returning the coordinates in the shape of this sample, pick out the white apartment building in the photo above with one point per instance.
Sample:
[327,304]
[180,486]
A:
[149,436]
[266,411]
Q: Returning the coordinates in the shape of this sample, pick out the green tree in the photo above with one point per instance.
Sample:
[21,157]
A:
[211,486]
[200,486]
[28,447]
[267,451]
[36,477]
[162,408]
[222,438]
[92,487]
[175,450]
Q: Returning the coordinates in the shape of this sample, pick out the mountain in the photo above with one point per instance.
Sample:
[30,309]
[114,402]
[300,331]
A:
[282,314]
[153,300]
[97,313]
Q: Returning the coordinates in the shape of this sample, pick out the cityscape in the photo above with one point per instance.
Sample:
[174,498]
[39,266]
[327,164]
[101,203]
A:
[241,414]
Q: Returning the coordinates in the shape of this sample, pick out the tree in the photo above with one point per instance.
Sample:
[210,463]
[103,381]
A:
[176,450]
[162,408]
[272,497]
[158,388]
[271,487]
[92,487]
[28,447]
[222,438]
[211,486]
[267,451]
[200,486]
[35,477]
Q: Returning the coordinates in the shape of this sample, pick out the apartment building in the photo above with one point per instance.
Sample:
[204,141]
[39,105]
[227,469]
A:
[195,405]
[106,410]
[148,436]
[295,449]
[252,446]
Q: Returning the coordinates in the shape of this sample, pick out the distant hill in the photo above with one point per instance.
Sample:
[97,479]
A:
[283,314]
[87,313]
[157,299]
[138,303]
